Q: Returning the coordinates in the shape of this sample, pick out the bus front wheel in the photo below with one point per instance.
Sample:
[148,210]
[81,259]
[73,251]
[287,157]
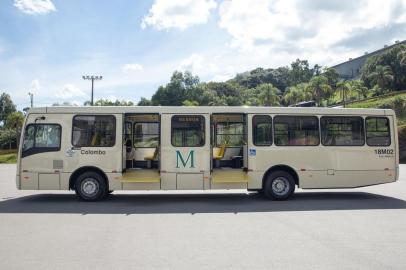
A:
[90,186]
[279,185]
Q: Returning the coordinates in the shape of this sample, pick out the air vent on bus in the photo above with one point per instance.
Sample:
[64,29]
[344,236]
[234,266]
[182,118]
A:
[58,164]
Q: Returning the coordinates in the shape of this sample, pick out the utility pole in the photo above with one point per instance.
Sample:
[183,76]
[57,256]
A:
[92,78]
[31,99]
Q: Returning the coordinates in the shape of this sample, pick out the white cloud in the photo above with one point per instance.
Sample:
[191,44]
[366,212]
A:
[129,68]
[70,91]
[35,85]
[194,63]
[208,67]
[165,14]
[247,21]
[279,30]
[35,6]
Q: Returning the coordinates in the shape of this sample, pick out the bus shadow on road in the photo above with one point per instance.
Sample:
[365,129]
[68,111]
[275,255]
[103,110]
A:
[128,204]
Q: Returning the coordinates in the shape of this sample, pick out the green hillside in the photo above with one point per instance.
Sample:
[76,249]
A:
[397,103]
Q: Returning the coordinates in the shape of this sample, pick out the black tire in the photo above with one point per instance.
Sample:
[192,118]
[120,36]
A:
[90,186]
[279,186]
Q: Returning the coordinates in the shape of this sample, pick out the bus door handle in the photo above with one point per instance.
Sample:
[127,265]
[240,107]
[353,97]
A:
[75,148]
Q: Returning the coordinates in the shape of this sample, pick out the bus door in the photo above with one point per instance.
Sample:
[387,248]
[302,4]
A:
[185,151]
[41,163]
[229,150]
[141,149]
[260,154]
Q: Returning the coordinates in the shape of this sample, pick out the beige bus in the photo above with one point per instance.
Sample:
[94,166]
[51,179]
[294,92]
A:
[96,150]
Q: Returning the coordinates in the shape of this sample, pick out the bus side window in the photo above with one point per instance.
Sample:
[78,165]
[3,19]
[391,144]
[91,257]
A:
[28,137]
[39,138]
[262,130]
[188,131]
[378,132]
[94,131]
[296,130]
[342,131]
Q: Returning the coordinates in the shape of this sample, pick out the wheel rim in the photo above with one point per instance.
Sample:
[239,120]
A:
[280,186]
[90,187]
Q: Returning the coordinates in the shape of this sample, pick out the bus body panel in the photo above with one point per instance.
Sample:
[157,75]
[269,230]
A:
[316,166]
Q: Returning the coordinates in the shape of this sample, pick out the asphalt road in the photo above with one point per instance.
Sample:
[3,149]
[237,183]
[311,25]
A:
[362,228]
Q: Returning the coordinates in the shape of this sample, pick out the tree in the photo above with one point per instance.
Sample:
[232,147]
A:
[268,95]
[296,94]
[6,107]
[14,123]
[300,72]
[319,88]
[8,138]
[382,76]
[332,76]
[106,102]
[317,70]
[190,103]
[358,86]
[176,91]
[225,93]
[392,58]
[15,120]
[402,57]
[343,89]
[144,102]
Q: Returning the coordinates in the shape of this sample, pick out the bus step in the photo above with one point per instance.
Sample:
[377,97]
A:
[141,176]
[229,176]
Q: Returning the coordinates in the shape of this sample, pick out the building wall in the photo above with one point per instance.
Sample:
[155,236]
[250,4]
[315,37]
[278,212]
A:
[351,69]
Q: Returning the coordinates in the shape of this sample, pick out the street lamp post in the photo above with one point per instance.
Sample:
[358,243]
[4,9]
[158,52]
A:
[31,99]
[92,78]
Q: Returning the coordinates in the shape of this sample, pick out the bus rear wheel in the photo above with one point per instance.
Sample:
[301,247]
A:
[90,186]
[279,186]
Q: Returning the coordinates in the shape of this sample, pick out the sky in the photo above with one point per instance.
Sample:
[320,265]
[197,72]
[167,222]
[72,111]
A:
[46,46]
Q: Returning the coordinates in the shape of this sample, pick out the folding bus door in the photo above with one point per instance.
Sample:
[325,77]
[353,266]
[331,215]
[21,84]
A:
[185,151]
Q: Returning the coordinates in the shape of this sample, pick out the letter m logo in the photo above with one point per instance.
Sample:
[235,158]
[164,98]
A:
[190,157]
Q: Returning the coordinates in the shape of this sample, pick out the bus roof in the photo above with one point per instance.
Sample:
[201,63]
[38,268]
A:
[209,109]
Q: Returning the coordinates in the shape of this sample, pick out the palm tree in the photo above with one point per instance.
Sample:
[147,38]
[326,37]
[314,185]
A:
[402,57]
[358,87]
[344,89]
[382,76]
[268,94]
[295,94]
[319,88]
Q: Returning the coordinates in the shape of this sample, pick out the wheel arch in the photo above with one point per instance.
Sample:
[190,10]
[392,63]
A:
[281,167]
[84,169]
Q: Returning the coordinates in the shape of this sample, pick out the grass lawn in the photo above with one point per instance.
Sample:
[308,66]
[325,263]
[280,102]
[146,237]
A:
[8,156]
[382,102]
[392,102]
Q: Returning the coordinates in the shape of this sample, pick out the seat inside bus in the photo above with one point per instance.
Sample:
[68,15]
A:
[141,138]
[228,140]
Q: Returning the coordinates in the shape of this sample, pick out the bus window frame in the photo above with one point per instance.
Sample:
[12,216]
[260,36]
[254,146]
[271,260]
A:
[37,150]
[204,129]
[147,122]
[296,115]
[344,116]
[254,133]
[366,131]
[115,130]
